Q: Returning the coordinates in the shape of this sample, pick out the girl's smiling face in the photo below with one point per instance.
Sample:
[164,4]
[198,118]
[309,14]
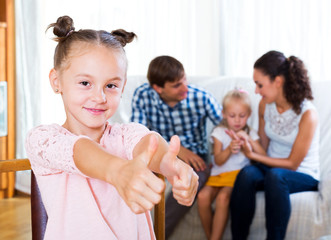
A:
[91,86]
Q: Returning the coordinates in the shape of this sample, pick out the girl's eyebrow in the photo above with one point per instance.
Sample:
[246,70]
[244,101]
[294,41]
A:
[83,75]
[90,76]
[116,78]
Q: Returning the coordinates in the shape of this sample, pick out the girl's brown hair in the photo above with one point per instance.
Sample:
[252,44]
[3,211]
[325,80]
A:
[67,39]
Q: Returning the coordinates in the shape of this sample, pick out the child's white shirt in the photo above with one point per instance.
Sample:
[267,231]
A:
[236,161]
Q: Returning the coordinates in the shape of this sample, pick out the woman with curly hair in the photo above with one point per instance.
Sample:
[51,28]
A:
[289,132]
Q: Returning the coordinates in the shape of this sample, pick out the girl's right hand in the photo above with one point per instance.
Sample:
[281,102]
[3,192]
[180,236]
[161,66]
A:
[138,186]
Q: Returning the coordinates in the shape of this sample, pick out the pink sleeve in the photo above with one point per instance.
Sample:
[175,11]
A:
[50,150]
[132,134]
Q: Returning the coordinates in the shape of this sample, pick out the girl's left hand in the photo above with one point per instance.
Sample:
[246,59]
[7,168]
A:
[183,179]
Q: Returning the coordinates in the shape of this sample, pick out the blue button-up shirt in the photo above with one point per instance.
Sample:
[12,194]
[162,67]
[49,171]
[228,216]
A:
[187,119]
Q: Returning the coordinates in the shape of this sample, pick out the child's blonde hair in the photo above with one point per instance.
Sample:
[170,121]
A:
[236,94]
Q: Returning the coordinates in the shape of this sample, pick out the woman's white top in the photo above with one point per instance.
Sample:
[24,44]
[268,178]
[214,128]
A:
[236,161]
[282,130]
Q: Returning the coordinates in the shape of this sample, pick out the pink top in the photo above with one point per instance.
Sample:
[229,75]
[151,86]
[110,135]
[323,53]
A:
[80,207]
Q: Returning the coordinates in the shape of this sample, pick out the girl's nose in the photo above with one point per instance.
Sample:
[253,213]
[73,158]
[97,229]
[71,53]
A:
[99,96]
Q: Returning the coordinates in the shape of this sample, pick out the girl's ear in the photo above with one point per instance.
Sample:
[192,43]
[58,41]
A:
[54,81]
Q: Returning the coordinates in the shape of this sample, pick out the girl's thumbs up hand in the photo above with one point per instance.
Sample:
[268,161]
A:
[139,187]
[182,177]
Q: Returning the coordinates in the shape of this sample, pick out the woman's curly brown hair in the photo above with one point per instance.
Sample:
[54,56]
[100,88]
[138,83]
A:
[297,84]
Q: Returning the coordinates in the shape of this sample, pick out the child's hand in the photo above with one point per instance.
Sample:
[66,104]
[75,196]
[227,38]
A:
[139,187]
[243,135]
[236,142]
[235,146]
[183,179]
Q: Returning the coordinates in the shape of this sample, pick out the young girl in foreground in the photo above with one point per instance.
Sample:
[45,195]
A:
[96,179]
[288,128]
[228,160]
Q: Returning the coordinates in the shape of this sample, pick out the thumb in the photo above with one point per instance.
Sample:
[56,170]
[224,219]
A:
[150,151]
[179,173]
[174,145]
[169,165]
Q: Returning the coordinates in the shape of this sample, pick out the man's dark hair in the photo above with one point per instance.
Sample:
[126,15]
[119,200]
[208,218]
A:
[164,69]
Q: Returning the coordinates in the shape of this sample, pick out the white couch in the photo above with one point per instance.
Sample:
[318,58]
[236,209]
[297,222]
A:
[311,211]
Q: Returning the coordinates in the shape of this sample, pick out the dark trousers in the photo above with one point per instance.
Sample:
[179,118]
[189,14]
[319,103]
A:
[174,211]
[278,184]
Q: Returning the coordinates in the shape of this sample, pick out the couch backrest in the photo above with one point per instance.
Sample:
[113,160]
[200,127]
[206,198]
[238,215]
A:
[219,86]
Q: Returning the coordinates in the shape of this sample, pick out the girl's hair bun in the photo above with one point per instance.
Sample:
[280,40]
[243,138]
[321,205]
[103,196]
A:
[62,28]
[66,37]
[123,36]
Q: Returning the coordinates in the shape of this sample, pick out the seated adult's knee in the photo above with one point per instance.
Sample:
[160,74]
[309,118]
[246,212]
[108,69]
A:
[247,174]
[274,176]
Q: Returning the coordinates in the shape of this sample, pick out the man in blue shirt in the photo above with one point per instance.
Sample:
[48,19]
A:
[170,106]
